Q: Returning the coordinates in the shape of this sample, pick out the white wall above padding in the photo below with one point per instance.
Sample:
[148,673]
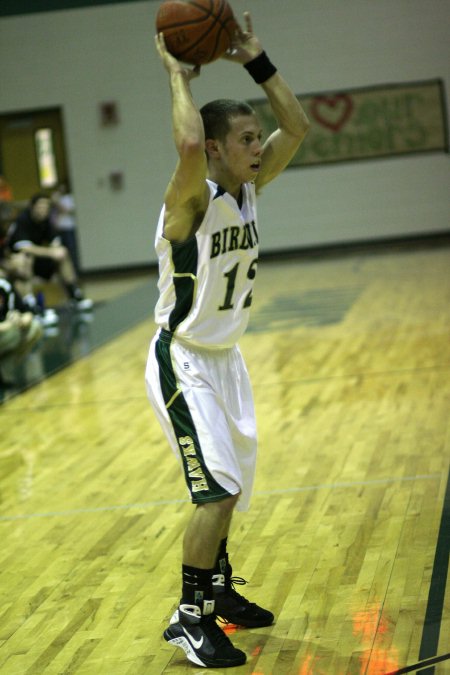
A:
[77,59]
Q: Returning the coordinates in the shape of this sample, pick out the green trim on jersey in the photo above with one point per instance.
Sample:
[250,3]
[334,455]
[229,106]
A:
[185,261]
[201,484]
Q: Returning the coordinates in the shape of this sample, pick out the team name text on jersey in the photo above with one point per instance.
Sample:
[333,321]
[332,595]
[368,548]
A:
[234,238]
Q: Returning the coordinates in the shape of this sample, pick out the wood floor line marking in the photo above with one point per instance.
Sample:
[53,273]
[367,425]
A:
[262,493]
[420,665]
[266,385]
[79,404]
[356,376]
[436,597]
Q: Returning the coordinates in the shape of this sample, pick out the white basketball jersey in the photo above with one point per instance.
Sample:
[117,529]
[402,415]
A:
[205,283]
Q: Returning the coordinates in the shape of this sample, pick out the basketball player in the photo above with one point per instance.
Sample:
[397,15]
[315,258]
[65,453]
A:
[207,245]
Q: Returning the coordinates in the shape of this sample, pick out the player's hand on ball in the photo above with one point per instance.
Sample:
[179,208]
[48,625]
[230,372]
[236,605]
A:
[245,46]
[172,64]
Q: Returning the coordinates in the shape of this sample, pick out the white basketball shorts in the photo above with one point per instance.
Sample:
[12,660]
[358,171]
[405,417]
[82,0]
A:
[204,403]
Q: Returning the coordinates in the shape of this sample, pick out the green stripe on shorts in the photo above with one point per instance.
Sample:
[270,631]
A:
[201,484]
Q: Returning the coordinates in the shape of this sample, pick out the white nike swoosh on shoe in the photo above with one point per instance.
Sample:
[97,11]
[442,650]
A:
[195,643]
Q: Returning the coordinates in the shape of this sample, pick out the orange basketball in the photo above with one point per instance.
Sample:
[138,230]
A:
[196,31]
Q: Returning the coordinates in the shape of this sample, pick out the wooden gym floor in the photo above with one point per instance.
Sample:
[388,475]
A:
[347,539]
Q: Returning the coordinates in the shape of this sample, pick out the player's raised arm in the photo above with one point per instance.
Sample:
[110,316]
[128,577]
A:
[292,121]
[186,195]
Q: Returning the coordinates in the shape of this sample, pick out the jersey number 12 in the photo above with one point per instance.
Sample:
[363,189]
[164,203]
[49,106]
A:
[230,276]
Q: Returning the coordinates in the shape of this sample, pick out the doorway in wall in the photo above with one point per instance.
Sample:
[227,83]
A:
[32,151]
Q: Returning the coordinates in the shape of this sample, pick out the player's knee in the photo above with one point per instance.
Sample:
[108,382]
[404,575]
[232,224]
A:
[227,505]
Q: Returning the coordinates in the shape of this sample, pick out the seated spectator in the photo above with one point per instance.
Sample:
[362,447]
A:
[15,265]
[32,232]
[17,268]
[63,218]
[19,331]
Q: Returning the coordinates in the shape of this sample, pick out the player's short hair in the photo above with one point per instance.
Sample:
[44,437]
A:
[216,116]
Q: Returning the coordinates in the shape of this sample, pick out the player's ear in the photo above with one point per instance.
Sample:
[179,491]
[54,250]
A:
[212,148]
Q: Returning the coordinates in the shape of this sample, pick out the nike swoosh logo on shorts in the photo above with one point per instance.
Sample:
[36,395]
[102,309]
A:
[195,643]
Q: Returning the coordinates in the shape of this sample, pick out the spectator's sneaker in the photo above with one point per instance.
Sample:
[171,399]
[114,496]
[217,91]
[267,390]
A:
[84,304]
[232,607]
[202,639]
[48,317]
[81,303]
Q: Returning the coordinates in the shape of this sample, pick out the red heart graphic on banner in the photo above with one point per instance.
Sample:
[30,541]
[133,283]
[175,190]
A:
[332,111]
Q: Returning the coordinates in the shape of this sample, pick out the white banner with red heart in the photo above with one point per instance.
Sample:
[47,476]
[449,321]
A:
[366,123]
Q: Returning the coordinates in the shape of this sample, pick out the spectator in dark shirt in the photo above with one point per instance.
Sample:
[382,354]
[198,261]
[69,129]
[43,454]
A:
[34,233]
[17,269]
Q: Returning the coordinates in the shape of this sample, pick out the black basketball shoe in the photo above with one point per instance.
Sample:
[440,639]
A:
[202,639]
[232,607]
